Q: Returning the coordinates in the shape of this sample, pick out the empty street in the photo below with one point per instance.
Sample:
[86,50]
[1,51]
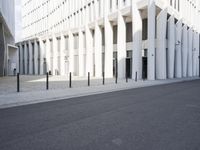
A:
[165,117]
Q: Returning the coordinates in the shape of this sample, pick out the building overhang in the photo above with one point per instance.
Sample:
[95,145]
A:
[12,46]
[6,28]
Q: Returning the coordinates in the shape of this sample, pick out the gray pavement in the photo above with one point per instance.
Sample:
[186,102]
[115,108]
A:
[33,88]
[164,117]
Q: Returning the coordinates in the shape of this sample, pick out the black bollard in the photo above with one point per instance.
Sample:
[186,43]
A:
[70,80]
[103,78]
[116,77]
[47,81]
[199,64]
[88,79]
[135,76]
[18,90]
[116,74]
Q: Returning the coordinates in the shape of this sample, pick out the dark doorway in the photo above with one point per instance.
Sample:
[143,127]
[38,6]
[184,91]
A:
[144,68]
[128,67]
[115,64]
[114,67]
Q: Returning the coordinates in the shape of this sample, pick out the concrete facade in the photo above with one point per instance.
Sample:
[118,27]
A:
[149,39]
[8,51]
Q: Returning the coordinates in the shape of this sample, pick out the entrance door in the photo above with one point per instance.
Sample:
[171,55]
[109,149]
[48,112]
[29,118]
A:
[128,67]
[115,67]
[115,64]
[144,67]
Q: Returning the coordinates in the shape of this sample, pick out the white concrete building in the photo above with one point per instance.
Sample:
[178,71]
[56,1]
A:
[8,51]
[153,39]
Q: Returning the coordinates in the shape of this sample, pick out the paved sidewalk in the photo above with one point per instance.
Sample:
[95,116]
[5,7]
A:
[33,88]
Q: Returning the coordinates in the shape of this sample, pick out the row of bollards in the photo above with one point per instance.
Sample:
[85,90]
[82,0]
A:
[70,80]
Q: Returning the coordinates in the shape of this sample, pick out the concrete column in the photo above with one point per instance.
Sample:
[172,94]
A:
[114,5]
[121,46]
[36,57]
[44,54]
[190,39]
[137,42]
[89,51]
[194,54]
[128,2]
[184,50]
[41,57]
[17,55]
[62,55]
[51,56]
[26,58]
[30,58]
[48,52]
[161,66]
[171,47]
[2,51]
[55,56]
[80,54]
[178,53]
[102,8]
[198,48]
[108,48]
[98,43]
[151,39]
[120,3]
[71,52]
[173,2]
[98,51]
[21,59]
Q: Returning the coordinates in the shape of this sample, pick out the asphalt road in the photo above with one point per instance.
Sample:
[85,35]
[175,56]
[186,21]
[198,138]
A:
[163,117]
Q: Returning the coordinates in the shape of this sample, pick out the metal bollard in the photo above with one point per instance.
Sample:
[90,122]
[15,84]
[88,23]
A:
[47,81]
[103,78]
[88,78]
[116,72]
[199,66]
[18,88]
[70,80]
[116,77]
[135,76]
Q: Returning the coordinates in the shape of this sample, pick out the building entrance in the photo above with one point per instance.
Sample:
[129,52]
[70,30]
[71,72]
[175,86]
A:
[115,64]
[144,67]
[129,67]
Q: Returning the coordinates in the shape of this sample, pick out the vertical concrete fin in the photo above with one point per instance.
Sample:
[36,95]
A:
[178,53]
[121,45]
[98,51]
[161,45]
[71,52]
[62,55]
[108,49]
[80,54]
[137,42]
[171,47]
[184,50]
[151,39]
[190,39]
[30,58]
[36,57]
[89,51]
